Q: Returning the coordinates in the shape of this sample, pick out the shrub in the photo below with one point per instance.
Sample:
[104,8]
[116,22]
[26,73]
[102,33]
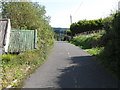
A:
[6,58]
[110,56]
[88,41]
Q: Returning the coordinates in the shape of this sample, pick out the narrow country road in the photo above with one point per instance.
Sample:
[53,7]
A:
[69,66]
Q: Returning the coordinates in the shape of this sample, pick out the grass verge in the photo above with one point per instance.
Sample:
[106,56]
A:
[95,51]
[15,68]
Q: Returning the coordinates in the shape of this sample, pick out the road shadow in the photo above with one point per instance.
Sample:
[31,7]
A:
[85,72]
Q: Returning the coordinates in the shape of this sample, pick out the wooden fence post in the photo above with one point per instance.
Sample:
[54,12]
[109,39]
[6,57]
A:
[35,39]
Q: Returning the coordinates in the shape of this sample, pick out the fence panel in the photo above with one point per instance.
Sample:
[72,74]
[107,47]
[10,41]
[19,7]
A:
[22,40]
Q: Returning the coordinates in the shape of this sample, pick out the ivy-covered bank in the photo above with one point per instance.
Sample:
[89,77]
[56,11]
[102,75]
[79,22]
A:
[27,16]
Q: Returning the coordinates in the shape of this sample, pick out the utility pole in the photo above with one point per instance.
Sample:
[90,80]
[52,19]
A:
[119,6]
[71,24]
[71,19]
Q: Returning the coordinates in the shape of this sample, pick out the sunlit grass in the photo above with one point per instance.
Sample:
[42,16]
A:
[95,51]
[88,41]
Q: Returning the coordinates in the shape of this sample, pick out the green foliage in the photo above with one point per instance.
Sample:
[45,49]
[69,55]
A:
[110,56]
[23,14]
[86,25]
[95,51]
[68,32]
[6,58]
[88,41]
[107,23]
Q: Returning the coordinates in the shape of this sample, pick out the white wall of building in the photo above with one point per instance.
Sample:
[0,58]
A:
[7,38]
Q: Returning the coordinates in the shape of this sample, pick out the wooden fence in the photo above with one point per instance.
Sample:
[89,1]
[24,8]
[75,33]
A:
[22,40]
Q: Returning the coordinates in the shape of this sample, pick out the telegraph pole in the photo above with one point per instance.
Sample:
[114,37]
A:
[119,6]
[71,19]
[71,24]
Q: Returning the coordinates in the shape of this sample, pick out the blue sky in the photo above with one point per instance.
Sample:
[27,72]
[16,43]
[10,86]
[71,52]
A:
[60,10]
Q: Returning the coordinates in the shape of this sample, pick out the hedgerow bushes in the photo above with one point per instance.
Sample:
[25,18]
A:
[88,41]
[86,25]
[110,56]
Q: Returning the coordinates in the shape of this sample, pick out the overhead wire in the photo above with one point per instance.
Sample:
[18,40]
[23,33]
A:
[75,12]
[78,8]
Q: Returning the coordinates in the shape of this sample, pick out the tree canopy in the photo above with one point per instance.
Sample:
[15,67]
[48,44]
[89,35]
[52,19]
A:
[86,25]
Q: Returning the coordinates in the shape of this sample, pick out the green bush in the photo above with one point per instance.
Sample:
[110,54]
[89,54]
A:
[110,56]
[86,25]
[95,51]
[88,41]
[7,58]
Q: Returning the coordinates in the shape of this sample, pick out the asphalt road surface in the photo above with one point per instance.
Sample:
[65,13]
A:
[69,66]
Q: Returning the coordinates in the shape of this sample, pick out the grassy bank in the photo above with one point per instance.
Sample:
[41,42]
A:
[91,42]
[95,51]
[17,67]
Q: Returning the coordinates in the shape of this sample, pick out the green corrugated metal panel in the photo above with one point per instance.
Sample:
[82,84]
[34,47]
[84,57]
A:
[22,40]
